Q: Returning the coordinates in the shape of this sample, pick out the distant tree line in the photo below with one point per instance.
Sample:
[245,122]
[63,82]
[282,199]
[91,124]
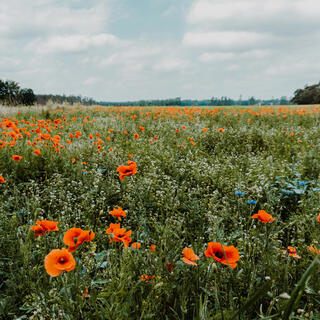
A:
[159,102]
[308,95]
[56,98]
[12,94]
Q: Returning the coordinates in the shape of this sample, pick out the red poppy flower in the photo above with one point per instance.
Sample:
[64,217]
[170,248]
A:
[189,256]
[2,180]
[227,255]
[57,261]
[263,216]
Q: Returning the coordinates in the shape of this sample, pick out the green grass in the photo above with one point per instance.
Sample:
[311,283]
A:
[183,195]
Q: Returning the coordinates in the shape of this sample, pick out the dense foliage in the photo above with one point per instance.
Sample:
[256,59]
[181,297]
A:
[195,176]
[308,95]
[11,94]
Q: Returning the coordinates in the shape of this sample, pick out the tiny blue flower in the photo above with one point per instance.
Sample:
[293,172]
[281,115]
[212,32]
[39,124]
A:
[302,183]
[252,202]
[85,173]
[91,140]
[20,213]
[239,193]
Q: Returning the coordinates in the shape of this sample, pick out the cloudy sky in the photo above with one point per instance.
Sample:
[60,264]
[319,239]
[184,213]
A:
[117,50]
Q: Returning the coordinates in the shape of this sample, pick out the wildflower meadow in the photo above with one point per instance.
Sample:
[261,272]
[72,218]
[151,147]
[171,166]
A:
[160,213]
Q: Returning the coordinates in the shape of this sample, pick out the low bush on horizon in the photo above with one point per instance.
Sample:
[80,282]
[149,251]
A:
[160,213]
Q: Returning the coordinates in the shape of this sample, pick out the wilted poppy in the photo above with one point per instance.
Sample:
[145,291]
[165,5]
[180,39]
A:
[189,256]
[263,216]
[59,260]
[227,255]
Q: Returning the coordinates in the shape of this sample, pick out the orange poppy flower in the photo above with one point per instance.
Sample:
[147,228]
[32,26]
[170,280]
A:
[263,216]
[112,227]
[205,129]
[118,213]
[318,219]
[36,152]
[177,131]
[292,252]
[48,225]
[136,245]
[79,235]
[120,235]
[153,247]
[227,255]
[128,170]
[59,260]
[38,230]
[145,278]
[16,157]
[189,256]
[136,136]
[2,180]
[73,160]
[314,250]
[220,129]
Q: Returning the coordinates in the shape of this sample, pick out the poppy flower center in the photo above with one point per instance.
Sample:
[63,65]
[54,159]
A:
[127,171]
[62,261]
[219,255]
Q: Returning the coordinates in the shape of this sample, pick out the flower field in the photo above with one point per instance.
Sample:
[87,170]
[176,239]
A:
[160,213]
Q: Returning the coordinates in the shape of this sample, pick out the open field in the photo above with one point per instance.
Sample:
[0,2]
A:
[196,178]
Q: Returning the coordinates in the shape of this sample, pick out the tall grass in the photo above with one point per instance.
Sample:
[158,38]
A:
[193,186]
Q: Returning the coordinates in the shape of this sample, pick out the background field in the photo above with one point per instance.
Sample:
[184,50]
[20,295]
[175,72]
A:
[197,170]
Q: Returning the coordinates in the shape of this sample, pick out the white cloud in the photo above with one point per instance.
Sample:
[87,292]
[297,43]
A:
[208,10]
[72,43]
[225,39]
[227,56]
[37,17]
[168,64]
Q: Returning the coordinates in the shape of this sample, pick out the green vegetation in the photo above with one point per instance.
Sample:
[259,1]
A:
[201,176]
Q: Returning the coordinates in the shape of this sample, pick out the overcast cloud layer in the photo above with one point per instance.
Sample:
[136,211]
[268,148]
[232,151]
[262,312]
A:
[117,50]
